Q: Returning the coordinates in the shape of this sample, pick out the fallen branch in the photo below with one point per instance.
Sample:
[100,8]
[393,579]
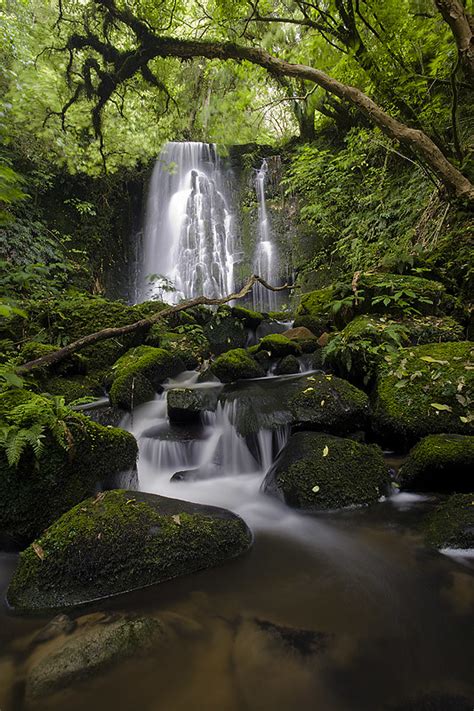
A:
[146,323]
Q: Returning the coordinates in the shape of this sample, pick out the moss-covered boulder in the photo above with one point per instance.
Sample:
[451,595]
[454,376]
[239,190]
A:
[329,403]
[279,346]
[313,311]
[357,350]
[425,390]
[451,525]
[225,332]
[120,541]
[443,462]
[305,338]
[186,404]
[140,372]
[236,364]
[92,649]
[251,319]
[289,365]
[319,471]
[191,343]
[76,456]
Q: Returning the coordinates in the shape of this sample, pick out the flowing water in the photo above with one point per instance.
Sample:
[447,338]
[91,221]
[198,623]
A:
[342,611]
[265,262]
[189,235]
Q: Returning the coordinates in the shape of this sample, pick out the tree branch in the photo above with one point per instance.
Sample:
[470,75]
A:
[143,324]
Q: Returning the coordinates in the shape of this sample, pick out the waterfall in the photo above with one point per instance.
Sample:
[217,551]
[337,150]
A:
[189,233]
[265,262]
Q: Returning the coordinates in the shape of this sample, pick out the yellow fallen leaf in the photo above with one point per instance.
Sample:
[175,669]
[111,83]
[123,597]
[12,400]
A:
[38,550]
[315,489]
[177,519]
[322,403]
[308,390]
[325,451]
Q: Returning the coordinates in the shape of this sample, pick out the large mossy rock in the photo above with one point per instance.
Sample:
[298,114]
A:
[451,525]
[306,340]
[313,311]
[36,491]
[140,372]
[235,365]
[120,541]
[329,403]
[225,332]
[92,650]
[357,350]
[319,471]
[425,390]
[443,462]
[391,293]
[289,365]
[251,319]
[279,346]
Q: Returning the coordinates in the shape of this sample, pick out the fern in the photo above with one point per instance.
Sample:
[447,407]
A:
[15,440]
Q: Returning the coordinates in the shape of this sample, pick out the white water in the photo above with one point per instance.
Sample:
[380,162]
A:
[265,262]
[189,231]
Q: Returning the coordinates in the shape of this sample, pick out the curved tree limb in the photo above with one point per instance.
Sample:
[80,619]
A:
[142,325]
[462,27]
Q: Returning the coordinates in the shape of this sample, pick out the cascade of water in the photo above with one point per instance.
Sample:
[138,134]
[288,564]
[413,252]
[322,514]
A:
[189,233]
[265,262]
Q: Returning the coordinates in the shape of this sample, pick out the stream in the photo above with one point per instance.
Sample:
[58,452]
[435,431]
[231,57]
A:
[341,611]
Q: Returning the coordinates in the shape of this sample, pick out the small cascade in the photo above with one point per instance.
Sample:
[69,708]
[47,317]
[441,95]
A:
[189,237]
[265,262]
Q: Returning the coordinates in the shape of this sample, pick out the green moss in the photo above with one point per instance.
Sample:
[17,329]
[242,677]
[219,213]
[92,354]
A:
[319,471]
[122,541]
[191,344]
[359,348]
[250,318]
[7,350]
[424,295]
[72,388]
[130,390]
[236,365]
[37,491]
[287,366]
[425,390]
[224,332]
[155,364]
[313,311]
[452,524]
[278,345]
[329,403]
[440,462]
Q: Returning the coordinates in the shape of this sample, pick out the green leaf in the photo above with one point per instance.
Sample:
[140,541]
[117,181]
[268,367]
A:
[440,407]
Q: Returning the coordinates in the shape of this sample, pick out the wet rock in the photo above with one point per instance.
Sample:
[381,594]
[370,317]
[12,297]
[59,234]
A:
[59,625]
[319,471]
[251,319]
[236,365]
[425,390]
[120,541]
[451,525]
[289,365]
[304,642]
[225,332]
[440,463]
[186,404]
[92,651]
[331,404]
[313,311]
[304,337]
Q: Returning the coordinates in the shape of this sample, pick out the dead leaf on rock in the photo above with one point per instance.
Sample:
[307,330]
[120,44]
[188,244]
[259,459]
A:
[38,550]
[177,519]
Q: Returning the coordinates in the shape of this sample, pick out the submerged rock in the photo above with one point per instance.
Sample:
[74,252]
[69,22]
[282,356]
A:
[235,365]
[319,471]
[443,462]
[120,541]
[425,390]
[94,649]
[36,491]
[451,525]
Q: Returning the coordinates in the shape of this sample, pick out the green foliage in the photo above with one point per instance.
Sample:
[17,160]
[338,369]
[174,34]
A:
[25,425]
